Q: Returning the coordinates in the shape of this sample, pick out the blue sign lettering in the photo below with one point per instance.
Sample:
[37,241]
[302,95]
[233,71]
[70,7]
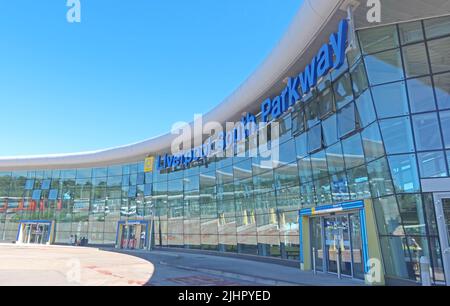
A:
[330,55]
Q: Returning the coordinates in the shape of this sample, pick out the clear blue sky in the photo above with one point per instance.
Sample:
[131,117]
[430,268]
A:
[128,71]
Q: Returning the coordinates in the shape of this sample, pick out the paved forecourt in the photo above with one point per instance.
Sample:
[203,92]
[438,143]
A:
[70,266]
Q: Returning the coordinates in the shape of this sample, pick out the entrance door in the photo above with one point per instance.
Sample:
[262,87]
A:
[133,236]
[34,233]
[338,245]
[442,206]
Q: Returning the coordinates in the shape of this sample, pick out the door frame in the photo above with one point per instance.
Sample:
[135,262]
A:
[444,240]
[371,248]
[23,223]
[325,259]
[121,224]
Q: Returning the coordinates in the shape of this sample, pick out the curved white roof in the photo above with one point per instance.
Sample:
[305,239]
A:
[307,24]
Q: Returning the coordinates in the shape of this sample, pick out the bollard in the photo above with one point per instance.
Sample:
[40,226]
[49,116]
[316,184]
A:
[425,271]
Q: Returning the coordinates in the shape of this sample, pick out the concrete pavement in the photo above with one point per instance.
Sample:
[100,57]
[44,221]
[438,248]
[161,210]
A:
[233,270]
[33,265]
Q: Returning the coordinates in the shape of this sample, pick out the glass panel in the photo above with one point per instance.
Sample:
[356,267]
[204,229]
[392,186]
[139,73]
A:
[378,39]
[335,159]
[301,145]
[404,173]
[326,102]
[316,243]
[372,142]
[421,95]
[396,257]
[323,191]
[339,187]
[312,112]
[427,132]
[358,263]
[343,93]
[379,178]
[365,107]
[388,216]
[358,183]
[410,32]
[442,89]
[384,67]
[437,27]
[445,125]
[411,211]
[45,184]
[347,120]
[416,60]
[397,135]
[359,79]
[439,55]
[315,138]
[432,164]
[448,158]
[330,133]
[36,195]
[390,100]
[305,171]
[29,185]
[298,122]
[353,151]
[446,209]
[319,165]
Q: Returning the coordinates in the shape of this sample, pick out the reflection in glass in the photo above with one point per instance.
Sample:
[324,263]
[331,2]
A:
[437,27]
[432,164]
[448,158]
[326,101]
[305,171]
[358,183]
[390,100]
[404,173]
[445,125]
[388,216]
[335,159]
[317,243]
[410,32]
[353,151]
[343,91]
[421,96]
[323,191]
[411,211]
[315,138]
[330,133]
[366,110]
[339,187]
[319,165]
[439,55]
[427,132]
[396,257]
[372,142]
[416,60]
[378,39]
[359,79]
[397,135]
[384,67]
[442,89]
[347,120]
[379,178]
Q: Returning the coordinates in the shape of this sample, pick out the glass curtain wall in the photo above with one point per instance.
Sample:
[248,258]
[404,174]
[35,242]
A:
[370,130]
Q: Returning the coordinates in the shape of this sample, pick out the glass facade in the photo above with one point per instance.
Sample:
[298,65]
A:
[371,130]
